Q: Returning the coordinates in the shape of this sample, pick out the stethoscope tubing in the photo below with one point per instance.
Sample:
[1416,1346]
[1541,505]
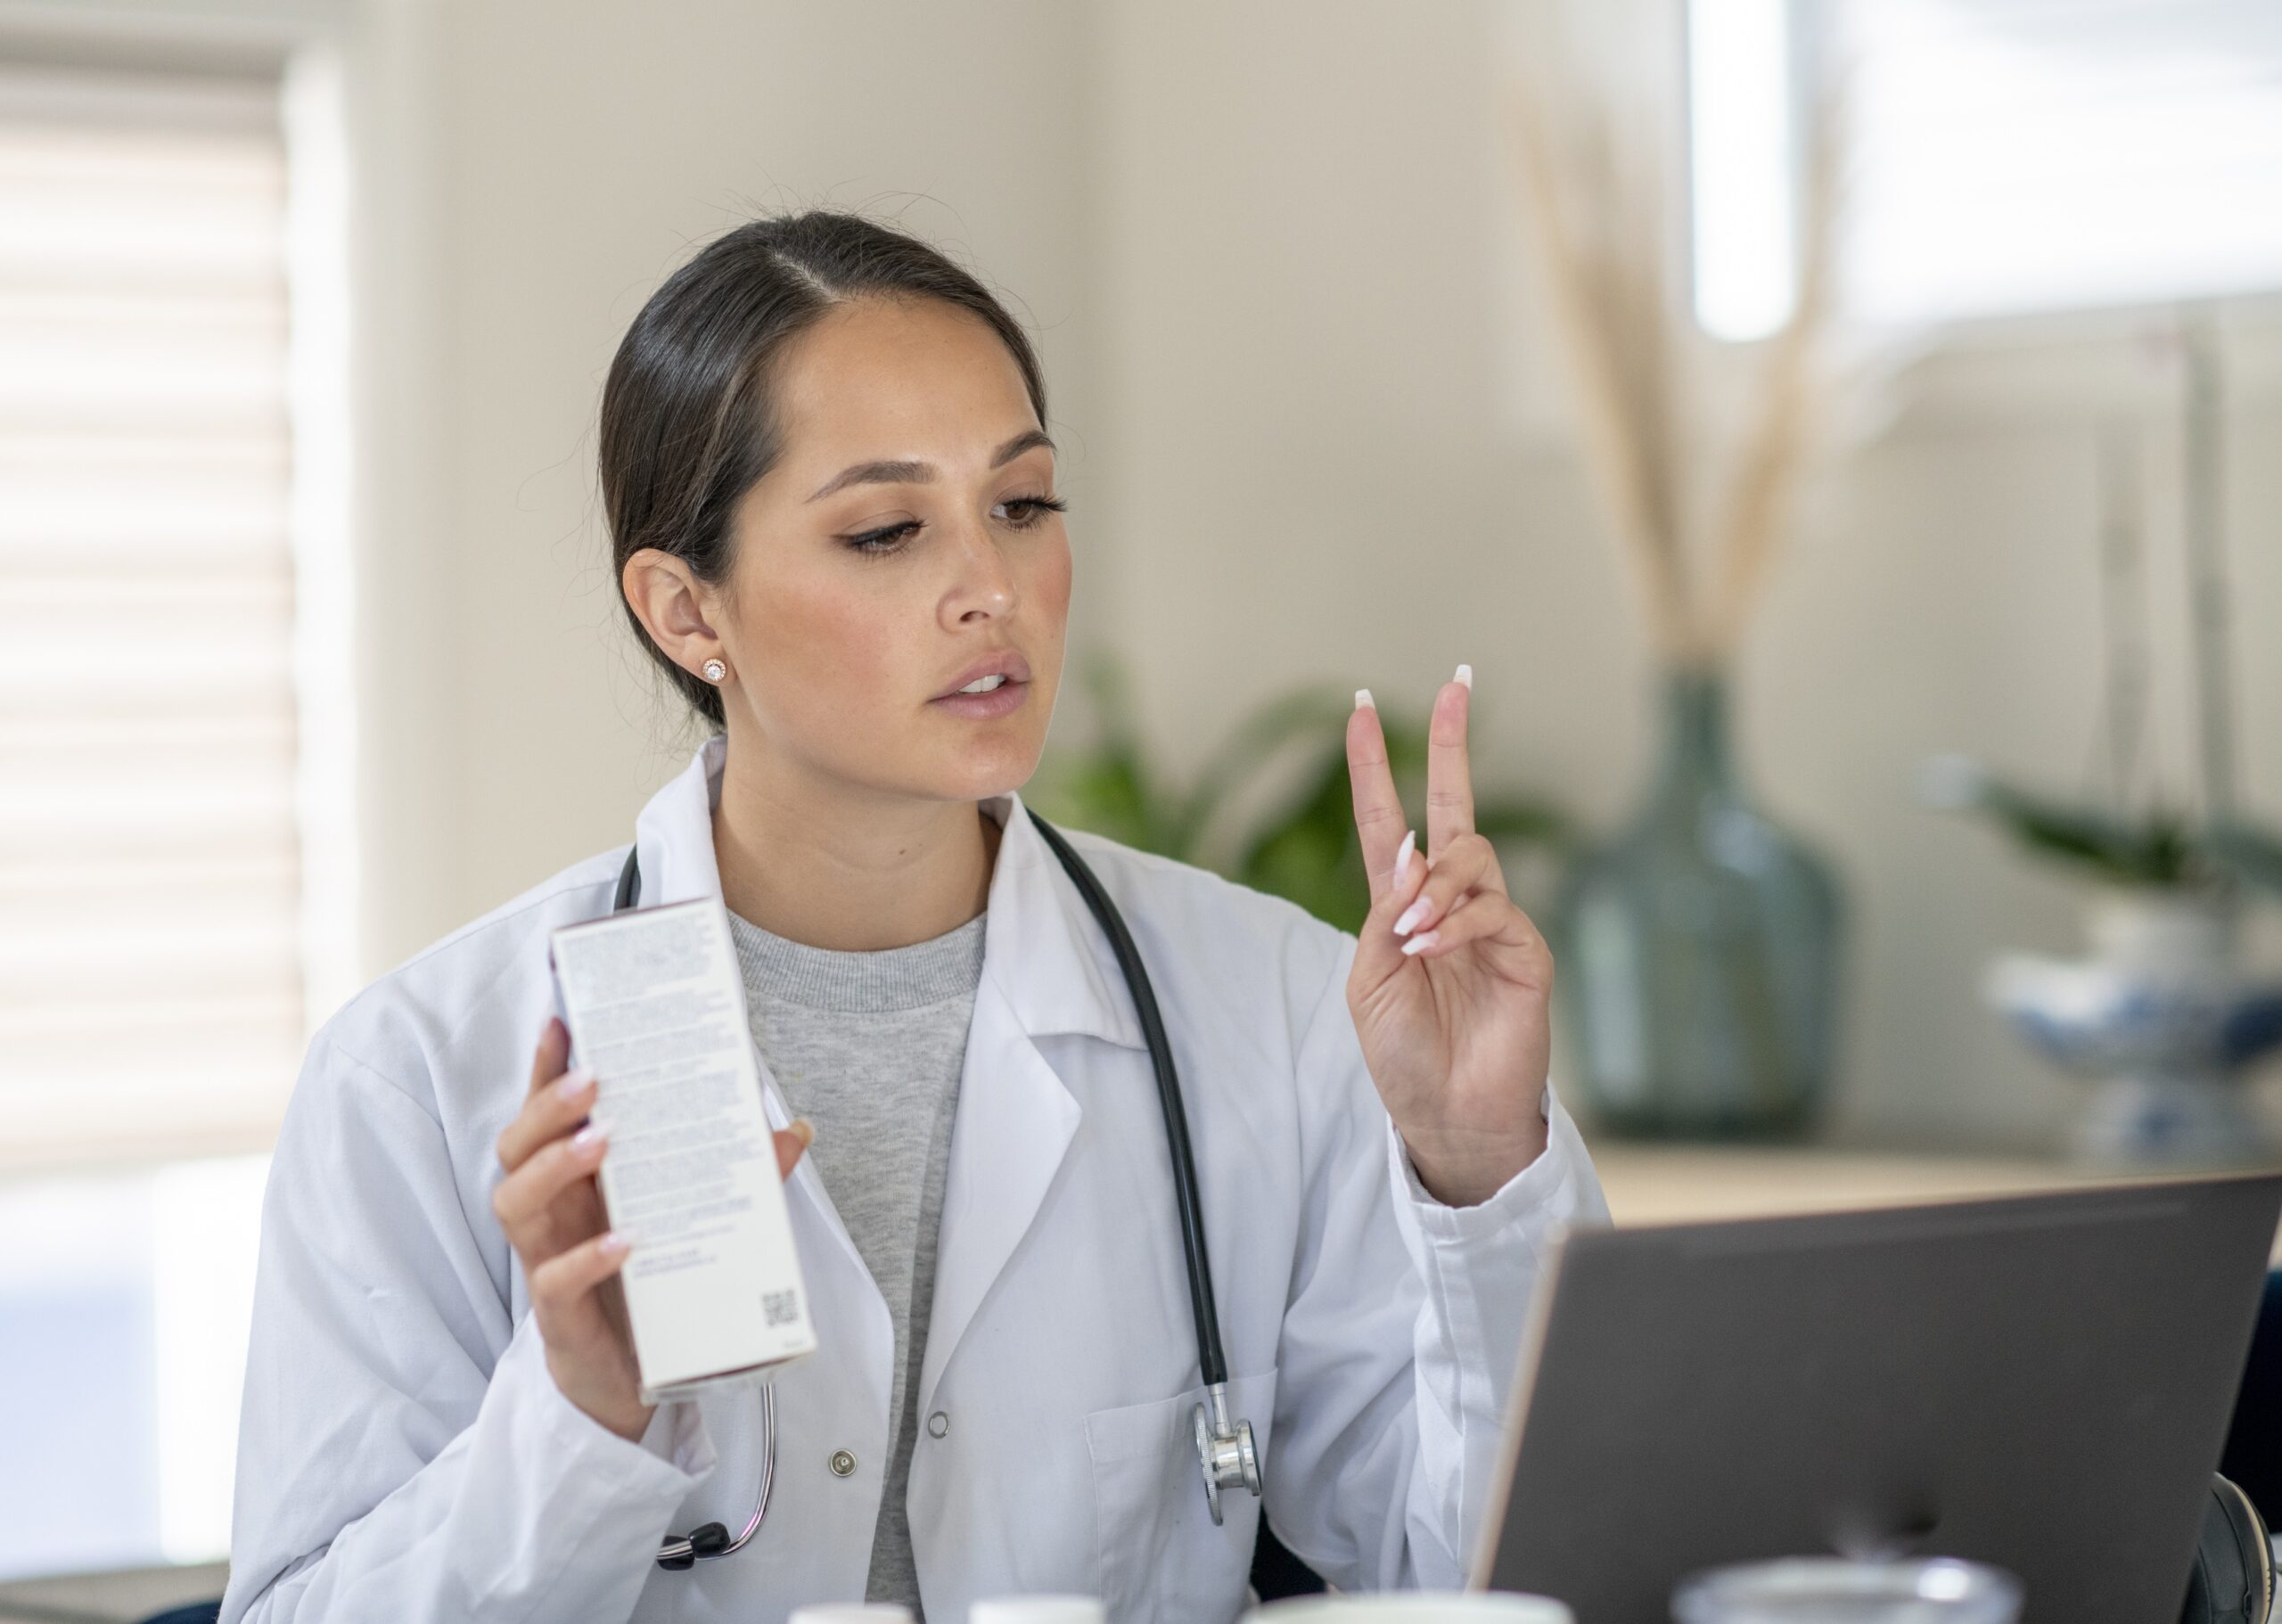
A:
[1202,1305]
[712,1539]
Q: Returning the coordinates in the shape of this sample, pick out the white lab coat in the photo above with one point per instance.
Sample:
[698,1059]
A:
[404,1455]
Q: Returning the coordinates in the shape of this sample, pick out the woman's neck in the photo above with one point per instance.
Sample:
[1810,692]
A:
[855,875]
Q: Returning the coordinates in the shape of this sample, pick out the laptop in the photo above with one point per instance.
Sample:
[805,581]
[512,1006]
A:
[2040,1382]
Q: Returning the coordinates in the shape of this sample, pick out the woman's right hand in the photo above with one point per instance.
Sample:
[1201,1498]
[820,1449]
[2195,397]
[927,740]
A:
[552,1211]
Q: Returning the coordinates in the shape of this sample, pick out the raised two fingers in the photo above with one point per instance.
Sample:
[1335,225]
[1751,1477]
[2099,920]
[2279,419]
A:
[1379,818]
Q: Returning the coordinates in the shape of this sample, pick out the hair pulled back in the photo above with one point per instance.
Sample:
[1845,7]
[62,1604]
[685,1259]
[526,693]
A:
[688,425]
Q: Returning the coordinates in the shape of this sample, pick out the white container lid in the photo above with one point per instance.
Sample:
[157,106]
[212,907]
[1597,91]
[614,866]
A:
[1038,1610]
[851,1612]
[1415,1607]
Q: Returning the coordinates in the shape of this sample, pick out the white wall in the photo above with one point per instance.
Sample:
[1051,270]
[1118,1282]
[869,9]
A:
[1271,252]
[583,150]
[1310,318]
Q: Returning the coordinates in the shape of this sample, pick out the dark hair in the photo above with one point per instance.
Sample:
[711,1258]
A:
[687,423]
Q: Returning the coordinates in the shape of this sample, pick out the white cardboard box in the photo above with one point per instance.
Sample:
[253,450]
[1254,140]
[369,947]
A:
[655,1006]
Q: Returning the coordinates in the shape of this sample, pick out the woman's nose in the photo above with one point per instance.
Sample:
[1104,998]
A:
[985,584]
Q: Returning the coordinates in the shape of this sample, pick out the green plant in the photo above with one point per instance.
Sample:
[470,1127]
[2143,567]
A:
[1304,846]
[2162,850]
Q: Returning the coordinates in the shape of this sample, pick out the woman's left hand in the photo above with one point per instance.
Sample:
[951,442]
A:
[1450,985]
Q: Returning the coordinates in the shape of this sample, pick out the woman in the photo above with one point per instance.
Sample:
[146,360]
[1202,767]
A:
[830,495]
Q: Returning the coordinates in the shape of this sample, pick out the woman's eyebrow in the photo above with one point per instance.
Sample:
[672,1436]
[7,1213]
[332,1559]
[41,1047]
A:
[921,473]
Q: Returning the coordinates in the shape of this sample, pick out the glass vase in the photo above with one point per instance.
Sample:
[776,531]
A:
[1700,950]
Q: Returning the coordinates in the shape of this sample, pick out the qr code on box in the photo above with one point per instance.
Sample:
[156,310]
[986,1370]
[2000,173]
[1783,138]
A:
[780,1308]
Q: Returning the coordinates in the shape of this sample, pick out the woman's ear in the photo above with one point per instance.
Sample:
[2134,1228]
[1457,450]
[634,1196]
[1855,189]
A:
[673,607]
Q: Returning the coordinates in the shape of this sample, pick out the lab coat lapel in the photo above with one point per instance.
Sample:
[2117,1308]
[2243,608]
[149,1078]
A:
[674,831]
[674,834]
[1043,972]
[1047,969]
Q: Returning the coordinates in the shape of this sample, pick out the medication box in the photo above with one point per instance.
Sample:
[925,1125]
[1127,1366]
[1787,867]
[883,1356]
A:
[655,1007]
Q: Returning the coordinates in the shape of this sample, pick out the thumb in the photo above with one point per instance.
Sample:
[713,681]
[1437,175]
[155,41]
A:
[790,1143]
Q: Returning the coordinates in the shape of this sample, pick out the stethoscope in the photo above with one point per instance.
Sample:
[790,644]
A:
[1224,1451]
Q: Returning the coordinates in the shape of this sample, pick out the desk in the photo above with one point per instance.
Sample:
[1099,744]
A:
[1670,1184]
[109,1599]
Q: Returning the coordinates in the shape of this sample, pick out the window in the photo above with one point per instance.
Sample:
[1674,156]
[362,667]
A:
[150,780]
[2004,156]
[175,900]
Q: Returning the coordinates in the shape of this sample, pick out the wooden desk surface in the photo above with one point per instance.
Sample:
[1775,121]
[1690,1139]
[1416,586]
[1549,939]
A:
[1667,1184]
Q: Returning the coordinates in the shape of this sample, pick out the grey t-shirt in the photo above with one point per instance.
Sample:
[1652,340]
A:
[868,1048]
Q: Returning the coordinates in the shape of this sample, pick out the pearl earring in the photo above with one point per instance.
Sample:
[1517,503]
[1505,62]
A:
[715,670]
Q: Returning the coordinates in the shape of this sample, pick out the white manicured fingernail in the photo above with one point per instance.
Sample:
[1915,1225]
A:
[1420,943]
[1363,700]
[1465,675]
[612,1244]
[1402,854]
[590,1135]
[1413,917]
[571,1084]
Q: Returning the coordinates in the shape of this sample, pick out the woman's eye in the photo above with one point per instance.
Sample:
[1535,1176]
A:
[1020,512]
[884,539]
[1023,511]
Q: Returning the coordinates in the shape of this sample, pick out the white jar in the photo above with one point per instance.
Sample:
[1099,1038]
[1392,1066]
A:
[1038,1610]
[1415,1607]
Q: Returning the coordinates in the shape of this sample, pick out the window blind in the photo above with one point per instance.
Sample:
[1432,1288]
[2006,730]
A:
[150,981]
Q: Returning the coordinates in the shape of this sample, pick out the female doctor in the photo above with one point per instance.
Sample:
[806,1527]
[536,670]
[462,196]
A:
[831,499]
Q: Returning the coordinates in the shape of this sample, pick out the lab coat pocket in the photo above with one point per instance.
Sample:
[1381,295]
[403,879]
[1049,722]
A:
[1161,1559]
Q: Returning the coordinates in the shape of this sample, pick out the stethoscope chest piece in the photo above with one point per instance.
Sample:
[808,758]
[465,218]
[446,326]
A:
[1225,1452]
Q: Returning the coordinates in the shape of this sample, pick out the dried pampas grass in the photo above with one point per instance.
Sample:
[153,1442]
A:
[1598,189]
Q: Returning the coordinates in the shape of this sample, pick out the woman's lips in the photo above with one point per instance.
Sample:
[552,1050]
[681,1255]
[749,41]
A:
[1003,699]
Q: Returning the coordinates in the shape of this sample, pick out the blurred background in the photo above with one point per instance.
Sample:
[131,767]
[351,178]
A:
[1840,434]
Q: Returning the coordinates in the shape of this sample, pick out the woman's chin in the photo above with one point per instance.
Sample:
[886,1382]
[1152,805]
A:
[983,772]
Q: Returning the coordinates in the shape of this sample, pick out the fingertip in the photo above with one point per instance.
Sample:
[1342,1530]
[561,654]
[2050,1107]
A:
[1453,704]
[1363,700]
[792,1142]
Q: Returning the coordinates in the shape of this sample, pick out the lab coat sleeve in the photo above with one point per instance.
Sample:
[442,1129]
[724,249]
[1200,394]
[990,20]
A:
[1403,1326]
[404,1452]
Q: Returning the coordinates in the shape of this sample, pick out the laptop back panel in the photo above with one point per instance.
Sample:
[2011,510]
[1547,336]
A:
[2042,1381]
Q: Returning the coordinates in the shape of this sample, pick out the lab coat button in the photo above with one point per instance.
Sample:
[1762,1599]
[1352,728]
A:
[938,1424]
[843,1465]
